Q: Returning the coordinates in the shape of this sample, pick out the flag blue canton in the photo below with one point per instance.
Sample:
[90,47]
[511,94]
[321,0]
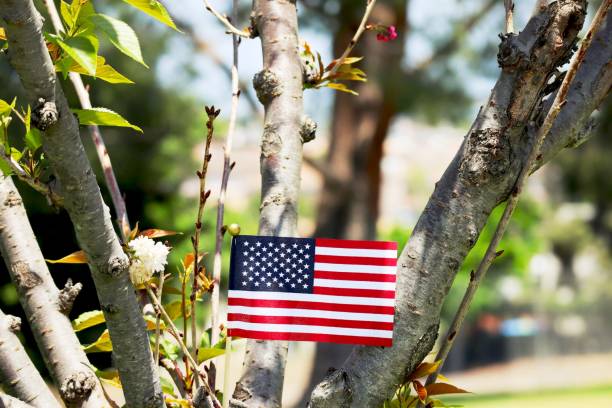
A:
[272,264]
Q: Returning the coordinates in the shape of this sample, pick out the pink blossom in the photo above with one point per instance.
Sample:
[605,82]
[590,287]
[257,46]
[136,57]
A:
[386,34]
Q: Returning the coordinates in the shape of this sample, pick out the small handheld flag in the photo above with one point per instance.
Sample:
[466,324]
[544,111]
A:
[304,289]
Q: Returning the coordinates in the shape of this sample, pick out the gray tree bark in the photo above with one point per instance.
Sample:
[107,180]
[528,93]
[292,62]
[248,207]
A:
[45,306]
[83,202]
[18,375]
[279,89]
[481,176]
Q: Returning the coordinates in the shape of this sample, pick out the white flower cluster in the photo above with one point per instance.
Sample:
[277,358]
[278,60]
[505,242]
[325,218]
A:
[149,257]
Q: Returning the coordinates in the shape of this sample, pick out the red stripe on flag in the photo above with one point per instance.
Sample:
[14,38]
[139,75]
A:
[370,277]
[298,304]
[329,338]
[310,321]
[355,260]
[343,243]
[320,290]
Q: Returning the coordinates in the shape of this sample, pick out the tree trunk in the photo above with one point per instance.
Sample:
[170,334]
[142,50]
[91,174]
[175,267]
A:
[279,89]
[45,306]
[17,373]
[83,202]
[480,176]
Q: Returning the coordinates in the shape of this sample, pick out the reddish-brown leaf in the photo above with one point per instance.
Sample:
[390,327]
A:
[444,388]
[157,233]
[420,390]
[77,257]
[423,369]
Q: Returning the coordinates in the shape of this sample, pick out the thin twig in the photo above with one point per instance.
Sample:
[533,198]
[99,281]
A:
[509,6]
[182,345]
[492,252]
[45,189]
[227,168]
[355,39]
[203,196]
[160,290]
[225,21]
[206,49]
[105,162]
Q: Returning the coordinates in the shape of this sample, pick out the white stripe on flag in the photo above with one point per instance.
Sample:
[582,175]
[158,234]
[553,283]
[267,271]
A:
[271,311]
[331,267]
[372,253]
[307,297]
[347,284]
[298,328]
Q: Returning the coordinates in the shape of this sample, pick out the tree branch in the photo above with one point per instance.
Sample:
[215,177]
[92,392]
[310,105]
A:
[17,373]
[491,252]
[45,306]
[360,29]
[107,167]
[84,204]
[279,88]
[6,401]
[225,21]
[53,198]
[481,175]
[227,168]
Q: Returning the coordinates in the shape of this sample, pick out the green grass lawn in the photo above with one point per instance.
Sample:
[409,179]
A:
[594,397]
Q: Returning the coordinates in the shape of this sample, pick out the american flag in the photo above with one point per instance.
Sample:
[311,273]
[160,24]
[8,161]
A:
[303,289]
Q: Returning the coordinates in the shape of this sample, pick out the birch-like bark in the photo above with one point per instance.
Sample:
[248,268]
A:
[45,306]
[480,176]
[83,202]
[18,375]
[279,89]
[6,401]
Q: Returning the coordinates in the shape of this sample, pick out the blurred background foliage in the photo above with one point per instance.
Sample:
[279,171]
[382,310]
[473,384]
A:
[549,293]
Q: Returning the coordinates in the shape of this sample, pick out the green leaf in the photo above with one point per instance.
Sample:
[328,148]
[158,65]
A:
[155,9]
[87,320]
[5,107]
[120,35]
[174,309]
[103,71]
[169,348]
[82,49]
[206,353]
[33,138]
[5,168]
[101,345]
[167,385]
[109,376]
[66,13]
[102,117]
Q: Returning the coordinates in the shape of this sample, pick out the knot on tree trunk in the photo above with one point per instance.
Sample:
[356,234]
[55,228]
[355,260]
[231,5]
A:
[78,386]
[24,277]
[511,57]
[488,155]
[12,200]
[45,114]
[267,85]
[154,401]
[334,391]
[308,129]
[117,265]
[67,296]
[13,323]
